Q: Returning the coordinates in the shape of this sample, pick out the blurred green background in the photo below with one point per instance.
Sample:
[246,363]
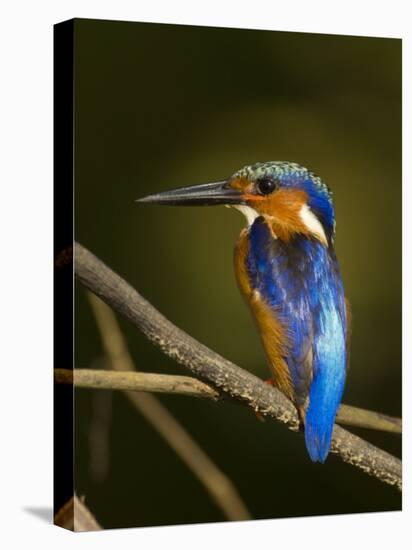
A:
[159,106]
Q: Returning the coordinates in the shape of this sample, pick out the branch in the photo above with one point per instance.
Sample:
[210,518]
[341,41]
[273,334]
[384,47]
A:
[221,373]
[186,385]
[363,418]
[135,381]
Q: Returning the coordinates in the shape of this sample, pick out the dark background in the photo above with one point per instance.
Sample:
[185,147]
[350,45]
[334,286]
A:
[158,106]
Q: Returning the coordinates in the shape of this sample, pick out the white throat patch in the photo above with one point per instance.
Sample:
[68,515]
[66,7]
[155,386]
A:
[312,223]
[249,212]
[309,219]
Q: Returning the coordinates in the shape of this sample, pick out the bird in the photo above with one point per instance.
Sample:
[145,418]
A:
[287,270]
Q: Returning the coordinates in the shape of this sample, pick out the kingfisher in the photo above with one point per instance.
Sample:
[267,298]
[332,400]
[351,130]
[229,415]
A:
[287,270]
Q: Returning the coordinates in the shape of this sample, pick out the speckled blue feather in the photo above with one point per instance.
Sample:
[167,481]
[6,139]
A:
[300,281]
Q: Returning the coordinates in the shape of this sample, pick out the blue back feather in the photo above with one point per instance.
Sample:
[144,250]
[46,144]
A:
[300,281]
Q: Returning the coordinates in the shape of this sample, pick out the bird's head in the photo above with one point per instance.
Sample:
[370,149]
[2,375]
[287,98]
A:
[292,199]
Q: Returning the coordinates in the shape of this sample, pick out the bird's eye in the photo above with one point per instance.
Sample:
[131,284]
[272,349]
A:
[266,185]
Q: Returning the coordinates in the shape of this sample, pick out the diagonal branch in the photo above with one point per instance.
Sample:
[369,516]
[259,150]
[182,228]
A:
[187,385]
[219,372]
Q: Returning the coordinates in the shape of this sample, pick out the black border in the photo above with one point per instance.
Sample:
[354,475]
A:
[63,64]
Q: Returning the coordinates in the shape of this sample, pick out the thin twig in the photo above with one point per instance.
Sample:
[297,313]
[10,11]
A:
[219,372]
[363,418]
[135,381]
[218,485]
[187,385]
[99,431]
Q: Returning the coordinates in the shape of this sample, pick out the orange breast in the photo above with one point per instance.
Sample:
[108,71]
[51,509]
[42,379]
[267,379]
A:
[272,333]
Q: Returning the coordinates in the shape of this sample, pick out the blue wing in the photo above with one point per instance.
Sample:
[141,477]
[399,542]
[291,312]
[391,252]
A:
[300,281]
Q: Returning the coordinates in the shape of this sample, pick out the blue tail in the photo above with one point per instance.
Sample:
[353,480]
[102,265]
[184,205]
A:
[325,396]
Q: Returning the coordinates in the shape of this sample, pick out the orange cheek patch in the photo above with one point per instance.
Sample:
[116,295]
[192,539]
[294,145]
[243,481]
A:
[253,198]
[241,184]
[282,209]
[285,201]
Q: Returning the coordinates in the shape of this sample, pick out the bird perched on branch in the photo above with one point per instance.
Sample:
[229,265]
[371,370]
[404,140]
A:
[287,270]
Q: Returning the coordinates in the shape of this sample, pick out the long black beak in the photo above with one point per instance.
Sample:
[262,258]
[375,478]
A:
[207,194]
